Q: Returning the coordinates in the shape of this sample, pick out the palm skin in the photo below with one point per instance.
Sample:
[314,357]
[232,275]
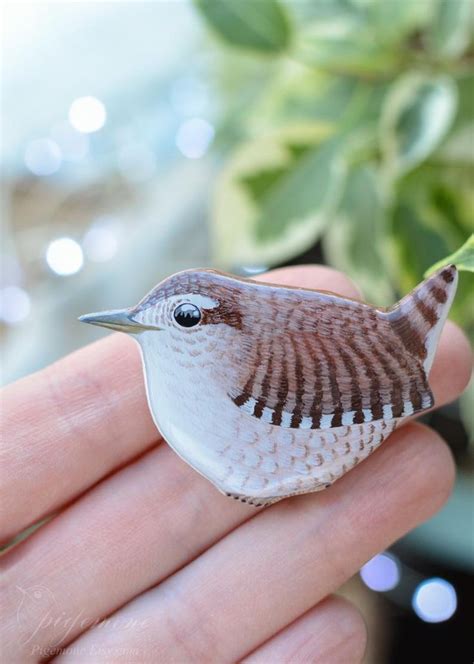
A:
[185,574]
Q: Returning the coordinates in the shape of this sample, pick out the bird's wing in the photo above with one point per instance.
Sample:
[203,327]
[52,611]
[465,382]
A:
[348,367]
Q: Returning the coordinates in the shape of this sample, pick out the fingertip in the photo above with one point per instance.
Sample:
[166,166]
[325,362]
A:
[353,631]
[317,277]
[438,467]
[331,632]
[452,366]
[404,483]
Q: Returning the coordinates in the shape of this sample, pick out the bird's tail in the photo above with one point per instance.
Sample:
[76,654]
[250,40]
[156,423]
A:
[419,317]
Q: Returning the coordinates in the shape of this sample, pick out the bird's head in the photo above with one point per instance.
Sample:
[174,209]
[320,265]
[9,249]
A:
[181,314]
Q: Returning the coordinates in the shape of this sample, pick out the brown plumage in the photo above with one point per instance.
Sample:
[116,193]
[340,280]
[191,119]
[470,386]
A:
[270,391]
[309,359]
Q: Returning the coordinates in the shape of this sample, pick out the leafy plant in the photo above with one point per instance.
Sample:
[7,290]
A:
[260,26]
[463,258]
[353,127]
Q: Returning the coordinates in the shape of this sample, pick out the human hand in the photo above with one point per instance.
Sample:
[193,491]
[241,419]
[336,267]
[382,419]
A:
[184,573]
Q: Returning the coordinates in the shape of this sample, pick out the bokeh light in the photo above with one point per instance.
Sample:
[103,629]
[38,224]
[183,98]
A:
[87,114]
[381,573]
[435,600]
[43,156]
[100,243]
[194,138]
[64,256]
[15,304]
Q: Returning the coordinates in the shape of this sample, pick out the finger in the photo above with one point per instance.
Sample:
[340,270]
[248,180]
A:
[159,479]
[61,421]
[71,424]
[273,568]
[331,633]
[173,513]
[310,276]
[65,426]
[301,551]
[136,528]
[452,365]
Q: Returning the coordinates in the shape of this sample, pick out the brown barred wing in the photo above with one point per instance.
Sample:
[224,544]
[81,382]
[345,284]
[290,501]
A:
[342,376]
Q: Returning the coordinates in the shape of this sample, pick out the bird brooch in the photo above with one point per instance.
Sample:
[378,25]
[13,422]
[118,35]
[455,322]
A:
[272,391]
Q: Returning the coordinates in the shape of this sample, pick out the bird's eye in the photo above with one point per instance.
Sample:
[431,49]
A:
[187,315]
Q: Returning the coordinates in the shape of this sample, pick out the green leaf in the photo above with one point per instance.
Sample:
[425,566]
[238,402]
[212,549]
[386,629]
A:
[258,184]
[463,258]
[443,200]
[417,243]
[444,194]
[459,146]
[450,212]
[355,51]
[416,116]
[275,198]
[451,27]
[259,25]
[356,239]
[361,38]
[395,19]
[308,184]
[465,111]
[301,94]
[323,10]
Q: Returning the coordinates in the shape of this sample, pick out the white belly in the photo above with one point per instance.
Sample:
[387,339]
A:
[244,455]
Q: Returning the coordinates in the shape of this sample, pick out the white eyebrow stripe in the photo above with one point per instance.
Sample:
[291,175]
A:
[202,301]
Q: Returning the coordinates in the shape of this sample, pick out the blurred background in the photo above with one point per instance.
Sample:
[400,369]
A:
[141,138]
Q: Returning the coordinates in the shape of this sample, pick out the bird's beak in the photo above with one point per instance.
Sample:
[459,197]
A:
[120,320]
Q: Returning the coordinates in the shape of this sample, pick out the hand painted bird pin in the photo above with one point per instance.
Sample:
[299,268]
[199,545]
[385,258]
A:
[271,391]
